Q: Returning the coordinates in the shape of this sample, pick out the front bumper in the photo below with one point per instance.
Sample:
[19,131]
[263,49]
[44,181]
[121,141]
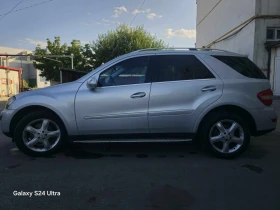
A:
[6,117]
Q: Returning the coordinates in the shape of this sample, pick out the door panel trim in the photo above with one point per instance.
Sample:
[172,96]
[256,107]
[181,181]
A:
[170,112]
[190,80]
[139,114]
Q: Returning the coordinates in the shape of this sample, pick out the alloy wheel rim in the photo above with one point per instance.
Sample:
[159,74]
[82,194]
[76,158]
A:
[226,136]
[41,135]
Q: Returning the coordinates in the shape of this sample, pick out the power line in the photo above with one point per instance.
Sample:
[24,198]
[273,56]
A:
[137,12]
[12,4]
[112,52]
[11,10]
[27,7]
[209,12]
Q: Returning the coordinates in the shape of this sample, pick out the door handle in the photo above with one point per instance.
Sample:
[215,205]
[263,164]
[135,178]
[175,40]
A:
[138,95]
[208,88]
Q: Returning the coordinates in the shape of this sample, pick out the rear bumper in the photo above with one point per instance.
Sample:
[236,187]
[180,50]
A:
[8,134]
[263,132]
[265,119]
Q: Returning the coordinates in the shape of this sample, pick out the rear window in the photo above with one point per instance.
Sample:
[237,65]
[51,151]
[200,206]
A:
[243,66]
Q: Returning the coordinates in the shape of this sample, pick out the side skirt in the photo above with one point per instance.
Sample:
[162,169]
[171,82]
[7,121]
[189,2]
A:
[162,137]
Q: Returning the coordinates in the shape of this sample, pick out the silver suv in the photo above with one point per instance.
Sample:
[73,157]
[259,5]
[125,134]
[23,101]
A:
[218,98]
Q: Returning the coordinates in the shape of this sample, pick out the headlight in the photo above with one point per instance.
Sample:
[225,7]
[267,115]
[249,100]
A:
[10,101]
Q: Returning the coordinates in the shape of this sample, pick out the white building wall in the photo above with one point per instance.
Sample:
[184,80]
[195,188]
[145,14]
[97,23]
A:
[275,70]
[264,7]
[41,81]
[278,52]
[204,8]
[227,15]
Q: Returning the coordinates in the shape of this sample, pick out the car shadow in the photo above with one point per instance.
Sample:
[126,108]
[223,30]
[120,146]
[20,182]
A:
[139,150]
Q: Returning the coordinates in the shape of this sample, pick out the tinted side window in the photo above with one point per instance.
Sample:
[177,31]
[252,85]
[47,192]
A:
[243,66]
[130,71]
[181,67]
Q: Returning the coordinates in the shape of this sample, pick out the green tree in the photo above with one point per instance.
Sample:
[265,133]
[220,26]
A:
[88,61]
[123,40]
[50,66]
[25,84]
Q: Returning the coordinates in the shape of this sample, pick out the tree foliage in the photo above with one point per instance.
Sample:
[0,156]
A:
[49,66]
[25,84]
[123,40]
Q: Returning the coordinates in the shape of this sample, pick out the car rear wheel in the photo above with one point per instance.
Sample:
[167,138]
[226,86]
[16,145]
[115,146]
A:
[225,134]
[39,134]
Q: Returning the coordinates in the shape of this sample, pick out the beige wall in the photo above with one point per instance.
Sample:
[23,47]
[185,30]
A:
[28,70]
[13,78]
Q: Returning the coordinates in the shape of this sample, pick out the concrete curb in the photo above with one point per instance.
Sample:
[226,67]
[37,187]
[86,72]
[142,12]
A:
[4,98]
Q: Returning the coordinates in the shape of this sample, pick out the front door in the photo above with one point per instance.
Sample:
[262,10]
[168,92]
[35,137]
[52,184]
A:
[119,105]
[277,77]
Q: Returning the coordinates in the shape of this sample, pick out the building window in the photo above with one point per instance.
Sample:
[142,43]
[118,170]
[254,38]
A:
[278,34]
[273,34]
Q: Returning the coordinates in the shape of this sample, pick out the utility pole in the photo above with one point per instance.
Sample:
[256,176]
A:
[7,76]
[72,61]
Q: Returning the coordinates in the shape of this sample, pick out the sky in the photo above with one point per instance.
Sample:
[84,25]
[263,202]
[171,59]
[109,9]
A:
[29,24]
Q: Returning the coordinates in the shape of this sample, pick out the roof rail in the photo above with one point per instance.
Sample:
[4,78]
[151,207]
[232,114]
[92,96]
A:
[181,48]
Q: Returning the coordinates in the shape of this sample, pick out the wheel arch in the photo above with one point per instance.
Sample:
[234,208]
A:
[22,112]
[230,108]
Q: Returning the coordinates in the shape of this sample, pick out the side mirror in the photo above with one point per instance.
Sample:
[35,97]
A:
[92,83]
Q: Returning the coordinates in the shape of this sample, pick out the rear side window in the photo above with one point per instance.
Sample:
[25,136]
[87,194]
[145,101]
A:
[243,66]
[181,67]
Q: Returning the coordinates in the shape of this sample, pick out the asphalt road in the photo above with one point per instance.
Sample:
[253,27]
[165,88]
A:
[171,176]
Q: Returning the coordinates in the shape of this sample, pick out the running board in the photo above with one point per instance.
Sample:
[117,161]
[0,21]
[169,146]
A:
[131,140]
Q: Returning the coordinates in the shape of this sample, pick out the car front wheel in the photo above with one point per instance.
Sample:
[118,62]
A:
[39,134]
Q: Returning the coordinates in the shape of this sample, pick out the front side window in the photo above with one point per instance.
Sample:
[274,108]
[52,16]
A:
[181,67]
[127,72]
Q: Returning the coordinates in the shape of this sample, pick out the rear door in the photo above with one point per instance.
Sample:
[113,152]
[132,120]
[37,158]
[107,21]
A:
[182,88]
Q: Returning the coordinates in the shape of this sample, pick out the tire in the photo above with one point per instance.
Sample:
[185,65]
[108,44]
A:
[229,145]
[40,134]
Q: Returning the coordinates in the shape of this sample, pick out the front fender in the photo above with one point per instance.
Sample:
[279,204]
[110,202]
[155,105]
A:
[62,106]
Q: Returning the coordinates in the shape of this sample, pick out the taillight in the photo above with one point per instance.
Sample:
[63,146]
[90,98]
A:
[266,97]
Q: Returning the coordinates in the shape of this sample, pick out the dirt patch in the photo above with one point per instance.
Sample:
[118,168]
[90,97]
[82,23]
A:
[253,168]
